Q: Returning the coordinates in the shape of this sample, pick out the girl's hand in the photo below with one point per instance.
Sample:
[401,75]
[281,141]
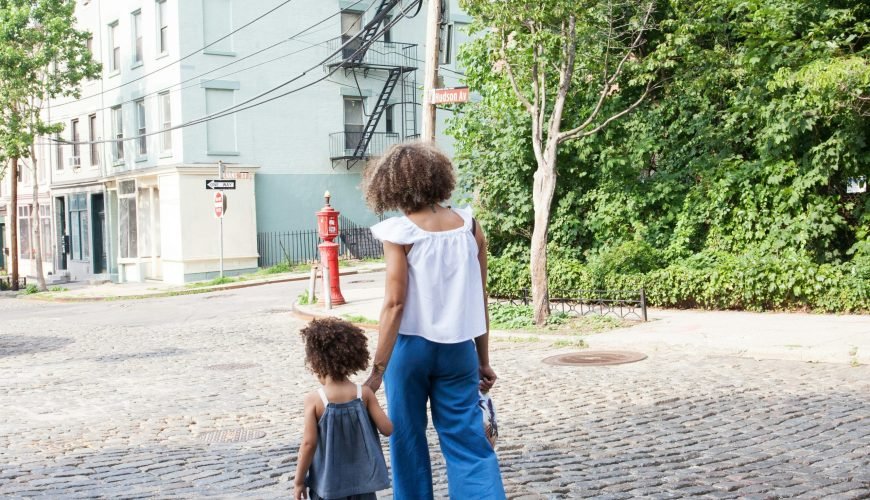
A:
[487,378]
[374,381]
[299,491]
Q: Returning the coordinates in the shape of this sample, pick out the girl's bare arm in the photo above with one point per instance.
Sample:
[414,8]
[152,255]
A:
[308,445]
[379,417]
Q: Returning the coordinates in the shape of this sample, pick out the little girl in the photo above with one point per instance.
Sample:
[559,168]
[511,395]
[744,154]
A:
[340,456]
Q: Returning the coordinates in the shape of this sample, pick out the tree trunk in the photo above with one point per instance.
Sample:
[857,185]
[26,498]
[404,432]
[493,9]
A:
[542,199]
[36,224]
[13,225]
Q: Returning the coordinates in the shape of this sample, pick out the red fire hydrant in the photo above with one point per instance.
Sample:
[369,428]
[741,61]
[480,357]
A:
[327,226]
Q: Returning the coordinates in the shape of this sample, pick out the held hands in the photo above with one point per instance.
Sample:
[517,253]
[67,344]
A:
[487,378]
[374,381]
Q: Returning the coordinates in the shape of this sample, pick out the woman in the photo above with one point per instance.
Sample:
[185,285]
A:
[433,343]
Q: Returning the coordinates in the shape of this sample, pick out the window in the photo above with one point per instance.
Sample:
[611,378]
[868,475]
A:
[114,48]
[217,23]
[136,26]
[24,251]
[45,222]
[92,136]
[142,141]
[76,150]
[58,146]
[353,122]
[78,227]
[89,43]
[388,119]
[447,45]
[351,24]
[388,34]
[221,132]
[127,219]
[118,135]
[162,28]
[165,111]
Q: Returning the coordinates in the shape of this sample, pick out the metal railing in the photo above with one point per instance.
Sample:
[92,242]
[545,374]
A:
[296,247]
[6,283]
[624,304]
[379,54]
[344,144]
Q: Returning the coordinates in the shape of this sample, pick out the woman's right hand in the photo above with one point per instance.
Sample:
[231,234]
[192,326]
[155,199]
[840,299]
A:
[374,381]
[299,491]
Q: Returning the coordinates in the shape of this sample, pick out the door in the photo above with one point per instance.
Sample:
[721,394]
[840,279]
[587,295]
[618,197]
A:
[2,246]
[353,123]
[60,239]
[98,211]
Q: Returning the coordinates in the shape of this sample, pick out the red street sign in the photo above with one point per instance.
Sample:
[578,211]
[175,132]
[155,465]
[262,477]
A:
[450,96]
[220,204]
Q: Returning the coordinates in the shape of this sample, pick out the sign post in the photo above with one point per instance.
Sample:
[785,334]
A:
[220,208]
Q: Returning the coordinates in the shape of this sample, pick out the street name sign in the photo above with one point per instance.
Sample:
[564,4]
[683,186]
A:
[450,96]
[220,184]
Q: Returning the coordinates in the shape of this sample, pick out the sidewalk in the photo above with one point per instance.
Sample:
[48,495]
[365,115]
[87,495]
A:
[785,336]
[83,292]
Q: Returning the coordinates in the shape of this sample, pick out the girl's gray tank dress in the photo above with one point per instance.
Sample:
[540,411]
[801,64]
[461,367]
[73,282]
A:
[348,463]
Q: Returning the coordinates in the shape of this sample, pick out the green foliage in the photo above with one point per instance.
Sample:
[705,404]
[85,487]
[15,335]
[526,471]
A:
[358,318]
[305,299]
[754,281]
[740,159]
[31,289]
[285,267]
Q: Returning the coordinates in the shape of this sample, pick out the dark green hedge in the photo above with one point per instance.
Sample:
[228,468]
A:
[752,281]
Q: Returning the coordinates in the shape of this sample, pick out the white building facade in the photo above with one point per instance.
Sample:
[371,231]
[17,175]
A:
[129,202]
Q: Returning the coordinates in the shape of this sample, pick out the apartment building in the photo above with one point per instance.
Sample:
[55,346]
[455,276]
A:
[124,192]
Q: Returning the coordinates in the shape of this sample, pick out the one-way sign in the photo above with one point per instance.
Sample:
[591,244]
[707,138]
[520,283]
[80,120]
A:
[220,184]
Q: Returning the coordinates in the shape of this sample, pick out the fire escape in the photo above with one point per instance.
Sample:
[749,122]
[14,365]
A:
[365,59]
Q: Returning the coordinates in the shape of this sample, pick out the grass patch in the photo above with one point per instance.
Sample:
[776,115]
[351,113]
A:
[356,318]
[360,262]
[58,289]
[31,289]
[578,343]
[215,282]
[511,317]
[285,267]
[304,299]
[517,339]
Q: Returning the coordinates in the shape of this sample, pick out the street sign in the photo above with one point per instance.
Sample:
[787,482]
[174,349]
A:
[450,96]
[220,204]
[220,184]
[238,175]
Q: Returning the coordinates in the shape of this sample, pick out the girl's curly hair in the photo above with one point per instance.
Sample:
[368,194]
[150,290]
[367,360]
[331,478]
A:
[409,177]
[335,348]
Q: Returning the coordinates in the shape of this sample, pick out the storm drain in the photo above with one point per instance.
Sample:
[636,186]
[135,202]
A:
[231,366]
[231,436]
[595,358]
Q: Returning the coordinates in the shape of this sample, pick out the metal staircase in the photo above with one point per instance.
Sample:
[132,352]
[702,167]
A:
[398,61]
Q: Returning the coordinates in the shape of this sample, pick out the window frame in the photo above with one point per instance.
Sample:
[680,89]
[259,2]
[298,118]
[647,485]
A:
[164,112]
[92,136]
[162,28]
[117,135]
[136,34]
[126,201]
[141,116]
[114,48]
[58,151]
[74,138]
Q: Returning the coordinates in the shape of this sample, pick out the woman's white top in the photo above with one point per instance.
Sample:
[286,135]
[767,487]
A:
[444,301]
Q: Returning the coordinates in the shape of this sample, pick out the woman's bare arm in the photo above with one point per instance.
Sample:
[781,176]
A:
[487,375]
[391,312]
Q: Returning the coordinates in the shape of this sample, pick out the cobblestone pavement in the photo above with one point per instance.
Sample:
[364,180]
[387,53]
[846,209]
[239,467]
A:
[117,400]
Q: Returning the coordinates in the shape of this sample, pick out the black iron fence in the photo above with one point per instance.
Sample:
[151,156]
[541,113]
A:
[624,304]
[6,283]
[295,247]
[344,144]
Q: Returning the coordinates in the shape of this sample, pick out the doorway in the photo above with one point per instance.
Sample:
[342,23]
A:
[98,212]
[61,239]
[353,123]
[2,246]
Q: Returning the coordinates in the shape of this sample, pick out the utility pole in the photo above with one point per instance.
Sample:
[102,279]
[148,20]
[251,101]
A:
[430,80]
[13,224]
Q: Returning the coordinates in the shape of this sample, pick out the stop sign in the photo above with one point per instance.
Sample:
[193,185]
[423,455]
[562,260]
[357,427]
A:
[220,204]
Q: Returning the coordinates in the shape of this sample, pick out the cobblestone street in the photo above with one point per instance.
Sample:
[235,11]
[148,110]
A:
[117,399]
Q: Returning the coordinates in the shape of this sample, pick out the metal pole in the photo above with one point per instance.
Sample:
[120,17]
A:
[312,285]
[430,80]
[327,295]
[222,246]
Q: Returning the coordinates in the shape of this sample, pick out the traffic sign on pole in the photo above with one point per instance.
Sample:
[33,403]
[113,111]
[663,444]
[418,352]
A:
[220,184]
[220,204]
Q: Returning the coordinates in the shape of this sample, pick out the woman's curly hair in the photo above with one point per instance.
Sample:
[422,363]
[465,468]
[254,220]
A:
[335,348]
[409,177]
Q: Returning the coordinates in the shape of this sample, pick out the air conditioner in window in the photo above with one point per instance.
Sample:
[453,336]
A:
[74,161]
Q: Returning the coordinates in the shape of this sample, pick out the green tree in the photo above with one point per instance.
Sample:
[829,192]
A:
[42,56]
[585,56]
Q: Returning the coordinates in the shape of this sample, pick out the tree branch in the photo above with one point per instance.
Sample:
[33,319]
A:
[510,72]
[577,132]
[566,73]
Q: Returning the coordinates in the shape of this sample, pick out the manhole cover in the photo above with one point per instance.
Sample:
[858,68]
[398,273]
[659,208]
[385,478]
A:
[595,358]
[231,436]
[231,366]
[362,281]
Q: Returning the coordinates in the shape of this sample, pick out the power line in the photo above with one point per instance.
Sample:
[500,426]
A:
[190,54]
[245,105]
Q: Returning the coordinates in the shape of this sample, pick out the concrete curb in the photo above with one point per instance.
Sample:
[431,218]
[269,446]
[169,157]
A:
[190,291]
[306,314]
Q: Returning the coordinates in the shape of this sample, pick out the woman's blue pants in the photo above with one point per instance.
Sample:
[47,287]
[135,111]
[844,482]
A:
[447,376]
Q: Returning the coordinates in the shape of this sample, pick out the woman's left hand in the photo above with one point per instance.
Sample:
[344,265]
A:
[374,381]
[487,378]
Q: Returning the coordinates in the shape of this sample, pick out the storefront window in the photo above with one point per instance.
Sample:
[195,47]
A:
[127,219]
[78,225]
